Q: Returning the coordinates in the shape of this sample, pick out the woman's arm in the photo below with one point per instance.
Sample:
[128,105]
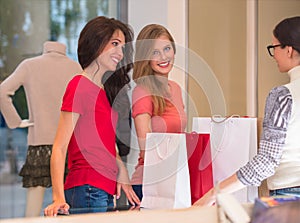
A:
[142,124]
[229,185]
[64,132]
[276,118]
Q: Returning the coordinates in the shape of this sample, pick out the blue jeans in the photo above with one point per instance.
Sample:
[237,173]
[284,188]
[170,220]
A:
[138,189]
[292,191]
[88,199]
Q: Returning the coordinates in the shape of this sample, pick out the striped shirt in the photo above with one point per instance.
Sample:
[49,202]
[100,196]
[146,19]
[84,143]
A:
[276,118]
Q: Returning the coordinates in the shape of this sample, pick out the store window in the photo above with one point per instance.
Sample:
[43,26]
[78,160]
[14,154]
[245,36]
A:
[24,27]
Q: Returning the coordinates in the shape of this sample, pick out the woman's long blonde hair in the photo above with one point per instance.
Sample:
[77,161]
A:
[142,71]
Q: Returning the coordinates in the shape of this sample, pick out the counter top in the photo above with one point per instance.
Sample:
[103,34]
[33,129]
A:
[190,215]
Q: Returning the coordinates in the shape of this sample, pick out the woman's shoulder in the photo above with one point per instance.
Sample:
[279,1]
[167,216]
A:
[279,94]
[140,93]
[174,84]
[75,79]
[175,89]
[140,90]
[76,84]
[82,80]
[279,91]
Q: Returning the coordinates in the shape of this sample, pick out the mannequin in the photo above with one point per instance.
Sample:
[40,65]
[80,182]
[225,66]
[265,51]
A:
[44,79]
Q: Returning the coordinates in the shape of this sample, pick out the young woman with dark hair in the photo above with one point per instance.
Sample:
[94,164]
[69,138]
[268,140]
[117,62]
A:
[87,125]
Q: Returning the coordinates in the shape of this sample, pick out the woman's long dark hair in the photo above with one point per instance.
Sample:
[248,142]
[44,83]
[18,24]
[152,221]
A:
[288,32]
[93,39]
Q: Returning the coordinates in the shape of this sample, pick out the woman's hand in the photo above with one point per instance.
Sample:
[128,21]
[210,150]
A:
[229,185]
[208,199]
[57,208]
[123,183]
[129,192]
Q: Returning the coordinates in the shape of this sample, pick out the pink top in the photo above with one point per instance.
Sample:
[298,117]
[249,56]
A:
[91,151]
[173,120]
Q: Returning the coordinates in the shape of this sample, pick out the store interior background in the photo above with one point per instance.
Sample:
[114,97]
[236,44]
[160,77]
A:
[225,38]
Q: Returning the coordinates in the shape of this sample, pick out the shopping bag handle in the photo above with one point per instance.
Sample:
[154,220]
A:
[219,147]
[213,118]
[159,152]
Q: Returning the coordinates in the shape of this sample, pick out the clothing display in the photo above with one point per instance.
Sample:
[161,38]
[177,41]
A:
[36,171]
[44,79]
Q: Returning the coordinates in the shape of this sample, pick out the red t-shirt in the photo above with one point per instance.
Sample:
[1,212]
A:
[91,150]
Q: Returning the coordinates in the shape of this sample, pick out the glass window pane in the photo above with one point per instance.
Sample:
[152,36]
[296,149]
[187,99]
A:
[24,27]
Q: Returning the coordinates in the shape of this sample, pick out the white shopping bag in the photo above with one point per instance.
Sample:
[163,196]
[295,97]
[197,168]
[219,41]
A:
[166,180]
[233,144]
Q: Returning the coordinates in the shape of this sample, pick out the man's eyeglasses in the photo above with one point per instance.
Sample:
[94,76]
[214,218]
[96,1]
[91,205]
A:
[271,49]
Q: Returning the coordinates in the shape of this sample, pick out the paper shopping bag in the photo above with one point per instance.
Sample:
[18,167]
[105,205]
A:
[200,165]
[166,181]
[233,142]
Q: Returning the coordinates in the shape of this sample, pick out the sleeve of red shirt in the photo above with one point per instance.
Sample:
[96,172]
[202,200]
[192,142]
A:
[73,97]
[141,102]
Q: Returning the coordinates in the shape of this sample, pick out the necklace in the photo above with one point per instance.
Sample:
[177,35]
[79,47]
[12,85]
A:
[84,73]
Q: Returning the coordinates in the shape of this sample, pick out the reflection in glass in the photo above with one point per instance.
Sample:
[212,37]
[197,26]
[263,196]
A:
[24,27]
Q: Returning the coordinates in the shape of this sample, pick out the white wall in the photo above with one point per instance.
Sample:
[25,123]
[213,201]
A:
[169,13]
[172,15]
